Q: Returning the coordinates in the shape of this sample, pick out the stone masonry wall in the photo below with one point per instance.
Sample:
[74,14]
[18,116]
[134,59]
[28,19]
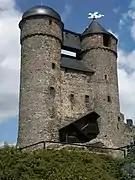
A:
[78,85]
[127,133]
[40,83]
[104,61]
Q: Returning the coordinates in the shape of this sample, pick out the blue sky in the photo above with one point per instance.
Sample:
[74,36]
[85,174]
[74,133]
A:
[119,19]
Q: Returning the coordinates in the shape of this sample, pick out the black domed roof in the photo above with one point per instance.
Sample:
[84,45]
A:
[41,10]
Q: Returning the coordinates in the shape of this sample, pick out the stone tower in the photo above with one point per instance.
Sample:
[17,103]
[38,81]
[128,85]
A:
[41,38]
[99,51]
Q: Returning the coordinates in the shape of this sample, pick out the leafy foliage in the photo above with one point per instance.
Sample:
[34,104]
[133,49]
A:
[57,165]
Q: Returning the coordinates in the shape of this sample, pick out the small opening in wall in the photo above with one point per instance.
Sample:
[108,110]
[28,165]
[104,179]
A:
[52,92]
[86,99]
[106,40]
[105,77]
[118,118]
[53,65]
[50,22]
[108,98]
[72,98]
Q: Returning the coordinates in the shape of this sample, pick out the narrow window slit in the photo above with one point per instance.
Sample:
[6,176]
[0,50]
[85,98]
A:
[105,77]
[108,98]
[53,66]
[86,99]
[52,92]
[72,98]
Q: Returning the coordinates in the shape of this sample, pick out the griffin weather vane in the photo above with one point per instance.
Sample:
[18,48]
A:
[95,15]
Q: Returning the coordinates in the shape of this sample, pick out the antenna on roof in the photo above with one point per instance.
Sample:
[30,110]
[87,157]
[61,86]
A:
[95,15]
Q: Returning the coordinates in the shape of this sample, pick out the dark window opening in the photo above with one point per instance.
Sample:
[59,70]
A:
[50,22]
[72,98]
[53,65]
[87,102]
[106,40]
[118,118]
[52,92]
[105,77]
[108,98]
[86,99]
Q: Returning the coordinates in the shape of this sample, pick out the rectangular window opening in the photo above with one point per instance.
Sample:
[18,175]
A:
[106,40]
[108,98]
[86,99]
[105,77]
[52,92]
[72,98]
[53,65]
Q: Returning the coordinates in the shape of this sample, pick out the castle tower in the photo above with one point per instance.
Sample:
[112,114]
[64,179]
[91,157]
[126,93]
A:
[99,51]
[41,38]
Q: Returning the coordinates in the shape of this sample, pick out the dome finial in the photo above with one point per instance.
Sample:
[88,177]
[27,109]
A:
[95,15]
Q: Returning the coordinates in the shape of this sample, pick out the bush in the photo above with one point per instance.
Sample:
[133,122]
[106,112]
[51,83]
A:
[57,165]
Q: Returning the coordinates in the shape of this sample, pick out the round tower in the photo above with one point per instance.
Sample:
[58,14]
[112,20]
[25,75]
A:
[41,38]
[99,51]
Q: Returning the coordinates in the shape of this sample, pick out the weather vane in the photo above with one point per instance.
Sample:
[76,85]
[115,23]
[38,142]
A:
[95,15]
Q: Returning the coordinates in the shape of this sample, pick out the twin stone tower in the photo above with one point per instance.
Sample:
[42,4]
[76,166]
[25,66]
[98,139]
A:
[68,98]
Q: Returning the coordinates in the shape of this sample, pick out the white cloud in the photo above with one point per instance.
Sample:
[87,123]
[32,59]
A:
[121,23]
[126,74]
[132,4]
[2,144]
[116,10]
[67,12]
[9,59]
[129,15]
[123,20]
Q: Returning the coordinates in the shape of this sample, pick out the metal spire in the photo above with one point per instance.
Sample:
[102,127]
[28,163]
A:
[95,15]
